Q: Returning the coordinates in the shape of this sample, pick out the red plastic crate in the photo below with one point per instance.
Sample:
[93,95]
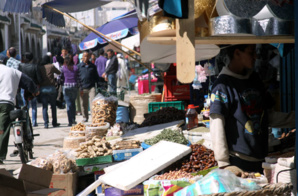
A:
[174,91]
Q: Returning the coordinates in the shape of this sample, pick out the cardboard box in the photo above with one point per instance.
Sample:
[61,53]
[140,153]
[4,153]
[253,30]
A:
[137,190]
[32,181]
[67,182]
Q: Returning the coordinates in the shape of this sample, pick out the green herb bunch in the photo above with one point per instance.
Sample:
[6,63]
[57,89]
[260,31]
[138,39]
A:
[168,135]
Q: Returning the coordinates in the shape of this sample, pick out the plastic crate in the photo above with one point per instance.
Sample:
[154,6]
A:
[173,91]
[120,155]
[155,106]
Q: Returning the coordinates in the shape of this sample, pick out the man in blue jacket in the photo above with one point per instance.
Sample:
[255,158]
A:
[88,77]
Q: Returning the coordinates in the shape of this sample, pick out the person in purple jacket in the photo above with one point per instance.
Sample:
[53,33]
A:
[101,62]
[70,82]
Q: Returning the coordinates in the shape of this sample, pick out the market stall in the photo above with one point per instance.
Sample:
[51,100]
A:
[160,156]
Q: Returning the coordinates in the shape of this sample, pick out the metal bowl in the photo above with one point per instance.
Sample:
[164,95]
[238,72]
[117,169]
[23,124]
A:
[249,8]
[230,25]
[273,26]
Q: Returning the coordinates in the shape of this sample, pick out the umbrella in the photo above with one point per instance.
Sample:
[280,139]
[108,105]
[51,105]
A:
[67,6]
[115,29]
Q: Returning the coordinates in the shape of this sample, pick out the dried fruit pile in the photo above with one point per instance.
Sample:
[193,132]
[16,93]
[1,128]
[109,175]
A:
[201,158]
[164,115]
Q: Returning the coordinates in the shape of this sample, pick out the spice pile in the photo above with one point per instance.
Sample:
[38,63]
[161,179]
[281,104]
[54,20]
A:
[164,115]
[174,175]
[201,158]
[168,135]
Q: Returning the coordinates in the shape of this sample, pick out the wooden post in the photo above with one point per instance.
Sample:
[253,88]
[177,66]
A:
[185,46]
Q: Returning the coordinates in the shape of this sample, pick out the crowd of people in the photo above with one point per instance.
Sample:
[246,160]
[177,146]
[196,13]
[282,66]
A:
[53,80]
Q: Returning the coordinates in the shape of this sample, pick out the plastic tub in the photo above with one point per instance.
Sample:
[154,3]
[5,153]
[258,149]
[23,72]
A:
[73,142]
[77,133]
[92,130]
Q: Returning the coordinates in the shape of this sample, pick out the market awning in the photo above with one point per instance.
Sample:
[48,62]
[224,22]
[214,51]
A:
[68,6]
[115,29]
[16,6]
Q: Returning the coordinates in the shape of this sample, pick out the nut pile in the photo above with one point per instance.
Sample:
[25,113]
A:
[201,158]
[163,115]
[127,145]
[104,110]
[93,148]
[174,175]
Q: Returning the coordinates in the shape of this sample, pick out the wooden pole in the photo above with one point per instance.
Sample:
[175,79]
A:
[104,37]
[185,46]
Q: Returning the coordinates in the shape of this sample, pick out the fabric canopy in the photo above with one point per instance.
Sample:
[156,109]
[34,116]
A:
[16,6]
[115,29]
[68,6]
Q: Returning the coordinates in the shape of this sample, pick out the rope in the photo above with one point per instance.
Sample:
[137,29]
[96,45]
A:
[278,189]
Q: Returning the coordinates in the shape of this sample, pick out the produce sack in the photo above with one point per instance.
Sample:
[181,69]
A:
[104,109]
[164,187]
[218,181]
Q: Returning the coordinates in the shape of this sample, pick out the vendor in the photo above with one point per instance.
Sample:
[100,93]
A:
[240,114]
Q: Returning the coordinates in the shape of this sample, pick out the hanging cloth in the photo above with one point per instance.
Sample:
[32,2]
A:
[174,8]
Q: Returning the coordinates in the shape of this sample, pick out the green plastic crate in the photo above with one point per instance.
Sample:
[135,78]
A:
[95,160]
[154,106]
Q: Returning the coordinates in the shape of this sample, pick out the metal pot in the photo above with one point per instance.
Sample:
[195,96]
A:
[230,25]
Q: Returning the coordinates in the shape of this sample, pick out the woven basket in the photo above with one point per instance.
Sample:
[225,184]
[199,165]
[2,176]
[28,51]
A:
[278,189]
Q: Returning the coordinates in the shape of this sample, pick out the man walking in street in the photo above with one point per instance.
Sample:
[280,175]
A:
[88,77]
[12,61]
[101,62]
[33,72]
[10,81]
[111,71]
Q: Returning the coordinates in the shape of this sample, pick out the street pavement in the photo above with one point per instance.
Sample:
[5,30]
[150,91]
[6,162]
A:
[48,142]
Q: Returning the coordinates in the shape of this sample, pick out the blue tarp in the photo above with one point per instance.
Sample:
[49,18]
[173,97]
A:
[68,6]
